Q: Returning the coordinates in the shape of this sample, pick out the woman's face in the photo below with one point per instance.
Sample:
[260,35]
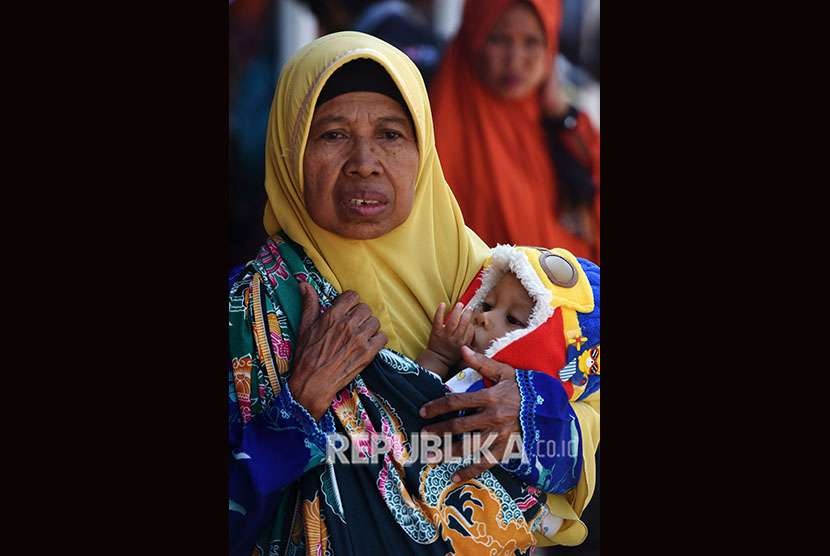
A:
[514,60]
[360,165]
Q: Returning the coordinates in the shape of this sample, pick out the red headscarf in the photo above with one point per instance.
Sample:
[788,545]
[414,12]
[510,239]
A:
[494,151]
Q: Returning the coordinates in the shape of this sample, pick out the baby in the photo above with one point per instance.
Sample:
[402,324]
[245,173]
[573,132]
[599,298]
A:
[533,309]
[528,307]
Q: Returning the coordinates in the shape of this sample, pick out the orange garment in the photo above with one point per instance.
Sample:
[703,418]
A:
[494,151]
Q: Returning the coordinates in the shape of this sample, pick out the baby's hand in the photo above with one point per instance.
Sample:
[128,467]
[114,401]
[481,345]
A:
[446,338]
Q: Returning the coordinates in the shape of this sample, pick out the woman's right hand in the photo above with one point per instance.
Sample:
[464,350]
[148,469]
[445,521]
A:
[331,348]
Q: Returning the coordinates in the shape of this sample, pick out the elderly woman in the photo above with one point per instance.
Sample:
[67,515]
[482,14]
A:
[523,164]
[366,241]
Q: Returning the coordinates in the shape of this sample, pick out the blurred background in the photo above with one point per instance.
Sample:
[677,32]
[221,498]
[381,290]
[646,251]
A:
[264,34]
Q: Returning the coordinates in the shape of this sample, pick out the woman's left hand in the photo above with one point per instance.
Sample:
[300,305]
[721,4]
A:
[497,411]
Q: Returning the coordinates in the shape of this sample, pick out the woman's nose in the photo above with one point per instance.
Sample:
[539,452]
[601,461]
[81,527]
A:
[515,58]
[362,160]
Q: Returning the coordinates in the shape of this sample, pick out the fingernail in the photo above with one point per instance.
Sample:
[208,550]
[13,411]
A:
[422,412]
[455,478]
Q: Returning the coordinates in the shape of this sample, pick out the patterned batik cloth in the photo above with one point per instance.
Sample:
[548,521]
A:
[286,498]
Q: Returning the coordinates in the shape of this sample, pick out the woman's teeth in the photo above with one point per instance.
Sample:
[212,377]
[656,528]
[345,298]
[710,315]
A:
[362,202]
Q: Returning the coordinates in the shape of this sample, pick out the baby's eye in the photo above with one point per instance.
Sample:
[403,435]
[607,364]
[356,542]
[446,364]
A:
[515,322]
[486,307]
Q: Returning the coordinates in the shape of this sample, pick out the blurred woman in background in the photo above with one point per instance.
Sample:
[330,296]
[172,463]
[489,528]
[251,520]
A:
[522,162]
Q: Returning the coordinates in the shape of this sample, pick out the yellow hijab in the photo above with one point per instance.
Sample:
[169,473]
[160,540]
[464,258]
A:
[405,274]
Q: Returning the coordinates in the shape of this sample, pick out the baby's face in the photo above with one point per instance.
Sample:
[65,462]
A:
[506,308]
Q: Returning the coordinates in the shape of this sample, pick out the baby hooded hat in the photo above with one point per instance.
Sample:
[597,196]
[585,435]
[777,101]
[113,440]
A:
[562,334]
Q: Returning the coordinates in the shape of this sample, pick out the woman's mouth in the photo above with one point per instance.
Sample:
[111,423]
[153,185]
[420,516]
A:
[366,207]
[365,203]
[511,81]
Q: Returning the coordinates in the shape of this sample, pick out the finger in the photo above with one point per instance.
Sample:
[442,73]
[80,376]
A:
[366,354]
[438,319]
[369,327]
[360,356]
[486,367]
[458,425]
[359,313]
[455,402]
[469,333]
[464,324]
[455,316]
[471,472]
[377,343]
[311,307]
[343,304]
[365,346]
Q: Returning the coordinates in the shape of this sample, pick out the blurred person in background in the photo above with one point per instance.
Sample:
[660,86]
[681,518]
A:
[404,25]
[251,56]
[522,161]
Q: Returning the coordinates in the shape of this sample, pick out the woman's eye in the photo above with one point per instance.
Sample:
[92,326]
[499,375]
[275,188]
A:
[333,135]
[486,307]
[391,135]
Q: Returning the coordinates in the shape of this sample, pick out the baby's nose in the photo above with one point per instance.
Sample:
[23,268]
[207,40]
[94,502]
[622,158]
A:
[480,319]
